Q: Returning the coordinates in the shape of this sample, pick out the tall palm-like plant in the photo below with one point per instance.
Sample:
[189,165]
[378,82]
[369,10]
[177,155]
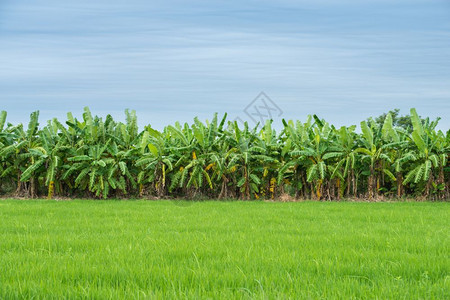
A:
[270,162]
[312,155]
[19,153]
[426,156]
[7,163]
[95,171]
[245,156]
[293,168]
[342,152]
[373,152]
[46,158]
[155,161]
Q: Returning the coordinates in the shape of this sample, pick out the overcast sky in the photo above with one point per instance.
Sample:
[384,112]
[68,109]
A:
[173,60]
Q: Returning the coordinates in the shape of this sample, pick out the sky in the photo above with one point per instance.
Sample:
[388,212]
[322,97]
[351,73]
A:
[173,60]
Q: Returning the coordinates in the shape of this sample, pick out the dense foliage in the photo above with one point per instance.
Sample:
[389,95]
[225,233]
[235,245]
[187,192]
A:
[93,157]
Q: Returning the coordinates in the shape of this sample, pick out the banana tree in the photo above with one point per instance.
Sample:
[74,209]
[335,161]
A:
[244,158]
[7,152]
[373,153]
[425,155]
[46,158]
[312,153]
[18,153]
[342,152]
[193,152]
[155,163]
[292,167]
[95,170]
[270,146]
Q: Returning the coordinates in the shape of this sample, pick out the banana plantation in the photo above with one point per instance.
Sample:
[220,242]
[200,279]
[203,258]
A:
[98,157]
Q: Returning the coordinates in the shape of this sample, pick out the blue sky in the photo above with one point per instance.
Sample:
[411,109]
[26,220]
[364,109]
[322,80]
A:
[174,60]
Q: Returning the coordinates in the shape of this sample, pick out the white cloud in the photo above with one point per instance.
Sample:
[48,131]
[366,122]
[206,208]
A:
[169,66]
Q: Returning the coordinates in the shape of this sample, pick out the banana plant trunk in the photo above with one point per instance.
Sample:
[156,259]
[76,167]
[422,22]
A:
[51,190]
[338,187]
[224,190]
[370,183]
[347,193]
[441,180]
[304,187]
[428,185]
[32,188]
[246,185]
[355,186]
[399,185]
[19,185]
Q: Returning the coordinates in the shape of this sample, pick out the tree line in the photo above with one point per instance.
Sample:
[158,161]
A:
[387,157]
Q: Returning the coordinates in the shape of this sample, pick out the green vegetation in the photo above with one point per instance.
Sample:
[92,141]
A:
[393,157]
[156,249]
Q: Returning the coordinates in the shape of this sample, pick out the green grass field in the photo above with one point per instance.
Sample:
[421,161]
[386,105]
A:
[166,249]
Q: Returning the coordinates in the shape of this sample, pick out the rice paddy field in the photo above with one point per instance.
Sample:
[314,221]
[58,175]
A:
[223,250]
